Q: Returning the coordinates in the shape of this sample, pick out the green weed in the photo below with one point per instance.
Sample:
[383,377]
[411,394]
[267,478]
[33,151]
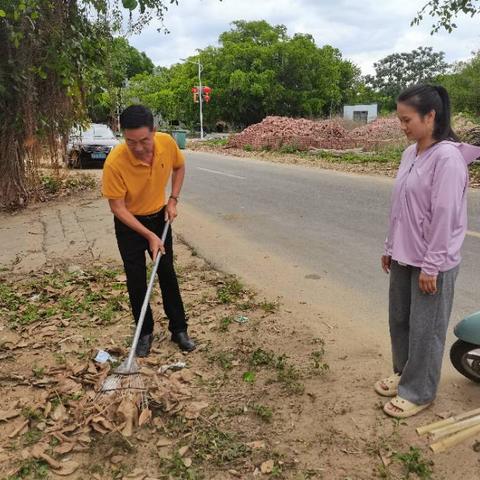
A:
[414,463]
[264,412]
[230,291]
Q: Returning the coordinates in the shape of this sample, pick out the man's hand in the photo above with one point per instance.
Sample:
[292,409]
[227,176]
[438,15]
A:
[427,283]
[171,210]
[386,263]
[155,245]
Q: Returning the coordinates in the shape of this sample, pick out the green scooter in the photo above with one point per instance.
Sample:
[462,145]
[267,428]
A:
[465,352]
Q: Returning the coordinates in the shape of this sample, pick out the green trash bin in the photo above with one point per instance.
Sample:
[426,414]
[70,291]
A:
[180,137]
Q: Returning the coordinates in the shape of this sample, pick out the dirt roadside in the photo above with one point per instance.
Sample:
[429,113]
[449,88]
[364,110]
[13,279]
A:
[314,422]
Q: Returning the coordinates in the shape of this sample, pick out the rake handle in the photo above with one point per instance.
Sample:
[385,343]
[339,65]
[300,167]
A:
[143,312]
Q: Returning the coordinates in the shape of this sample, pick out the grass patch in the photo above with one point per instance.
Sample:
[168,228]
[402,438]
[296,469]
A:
[175,468]
[230,291]
[388,155]
[290,378]
[225,323]
[35,469]
[222,359]
[269,307]
[215,142]
[32,436]
[414,463]
[217,447]
[263,412]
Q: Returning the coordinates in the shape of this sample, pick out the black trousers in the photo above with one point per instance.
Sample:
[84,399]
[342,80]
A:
[132,248]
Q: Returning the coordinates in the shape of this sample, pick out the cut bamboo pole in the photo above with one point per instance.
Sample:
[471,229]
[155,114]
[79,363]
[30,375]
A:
[448,421]
[455,427]
[455,439]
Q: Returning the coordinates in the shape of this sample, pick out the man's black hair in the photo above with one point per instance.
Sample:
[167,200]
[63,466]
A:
[136,116]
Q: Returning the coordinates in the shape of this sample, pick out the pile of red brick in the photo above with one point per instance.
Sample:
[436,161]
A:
[273,133]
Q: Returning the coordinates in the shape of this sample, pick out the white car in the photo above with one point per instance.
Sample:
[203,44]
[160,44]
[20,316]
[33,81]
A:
[89,148]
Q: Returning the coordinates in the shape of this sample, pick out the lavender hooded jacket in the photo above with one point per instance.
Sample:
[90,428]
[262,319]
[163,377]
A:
[428,218]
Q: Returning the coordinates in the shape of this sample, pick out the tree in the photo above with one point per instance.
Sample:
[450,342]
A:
[400,70]
[256,70]
[446,11]
[52,53]
[122,63]
[463,85]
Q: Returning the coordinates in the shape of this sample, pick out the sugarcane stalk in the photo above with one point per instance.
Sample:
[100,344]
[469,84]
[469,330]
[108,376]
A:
[455,427]
[455,439]
[448,421]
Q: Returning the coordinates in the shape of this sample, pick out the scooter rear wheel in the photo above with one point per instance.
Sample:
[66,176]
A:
[465,357]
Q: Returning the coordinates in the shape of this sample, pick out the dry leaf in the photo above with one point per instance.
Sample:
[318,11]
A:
[116,459]
[267,467]
[164,442]
[257,444]
[23,426]
[137,474]
[187,462]
[52,462]
[60,413]
[104,422]
[182,451]
[194,409]
[8,414]
[129,412]
[65,448]
[67,468]
[144,417]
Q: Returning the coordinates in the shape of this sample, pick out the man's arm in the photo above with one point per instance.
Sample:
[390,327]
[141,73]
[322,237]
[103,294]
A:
[119,209]
[178,176]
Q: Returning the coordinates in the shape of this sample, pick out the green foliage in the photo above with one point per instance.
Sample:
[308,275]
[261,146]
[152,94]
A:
[230,291]
[445,11]
[397,71]
[413,462]
[264,412]
[55,56]
[463,85]
[256,70]
[36,469]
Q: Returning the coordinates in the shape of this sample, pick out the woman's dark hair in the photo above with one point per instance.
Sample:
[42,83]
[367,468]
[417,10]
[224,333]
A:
[424,99]
[136,116]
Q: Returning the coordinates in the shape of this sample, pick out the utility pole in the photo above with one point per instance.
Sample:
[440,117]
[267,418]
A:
[200,98]
[200,91]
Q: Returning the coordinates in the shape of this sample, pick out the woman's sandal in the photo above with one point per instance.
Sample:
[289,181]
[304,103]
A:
[388,387]
[400,408]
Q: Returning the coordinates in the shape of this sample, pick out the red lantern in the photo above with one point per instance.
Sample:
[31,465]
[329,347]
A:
[206,98]
[207,90]
[194,90]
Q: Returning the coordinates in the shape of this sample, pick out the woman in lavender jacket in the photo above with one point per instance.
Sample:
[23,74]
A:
[428,222]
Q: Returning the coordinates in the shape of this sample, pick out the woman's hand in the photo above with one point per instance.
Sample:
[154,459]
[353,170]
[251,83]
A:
[427,283]
[386,263]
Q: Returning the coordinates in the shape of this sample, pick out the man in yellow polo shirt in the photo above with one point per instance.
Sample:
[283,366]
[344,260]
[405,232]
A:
[135,176]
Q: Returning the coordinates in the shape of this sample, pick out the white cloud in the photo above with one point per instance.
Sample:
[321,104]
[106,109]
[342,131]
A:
[364,31]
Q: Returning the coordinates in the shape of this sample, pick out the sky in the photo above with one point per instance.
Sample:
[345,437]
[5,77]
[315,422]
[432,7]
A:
[364,30]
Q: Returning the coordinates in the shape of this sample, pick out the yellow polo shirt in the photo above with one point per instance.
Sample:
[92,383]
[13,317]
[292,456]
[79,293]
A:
[141,185]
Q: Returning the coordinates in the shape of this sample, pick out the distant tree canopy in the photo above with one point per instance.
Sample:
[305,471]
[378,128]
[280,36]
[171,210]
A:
[463,85]
[446,11]
[256,70]
[400,70]
[122,63]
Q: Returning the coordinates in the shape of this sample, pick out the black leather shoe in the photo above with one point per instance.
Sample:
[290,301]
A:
[183,341]
[144,345]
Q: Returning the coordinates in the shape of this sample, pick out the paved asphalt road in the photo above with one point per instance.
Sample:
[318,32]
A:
[330,223]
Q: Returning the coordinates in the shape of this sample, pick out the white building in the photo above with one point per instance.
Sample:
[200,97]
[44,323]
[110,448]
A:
[361,113]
